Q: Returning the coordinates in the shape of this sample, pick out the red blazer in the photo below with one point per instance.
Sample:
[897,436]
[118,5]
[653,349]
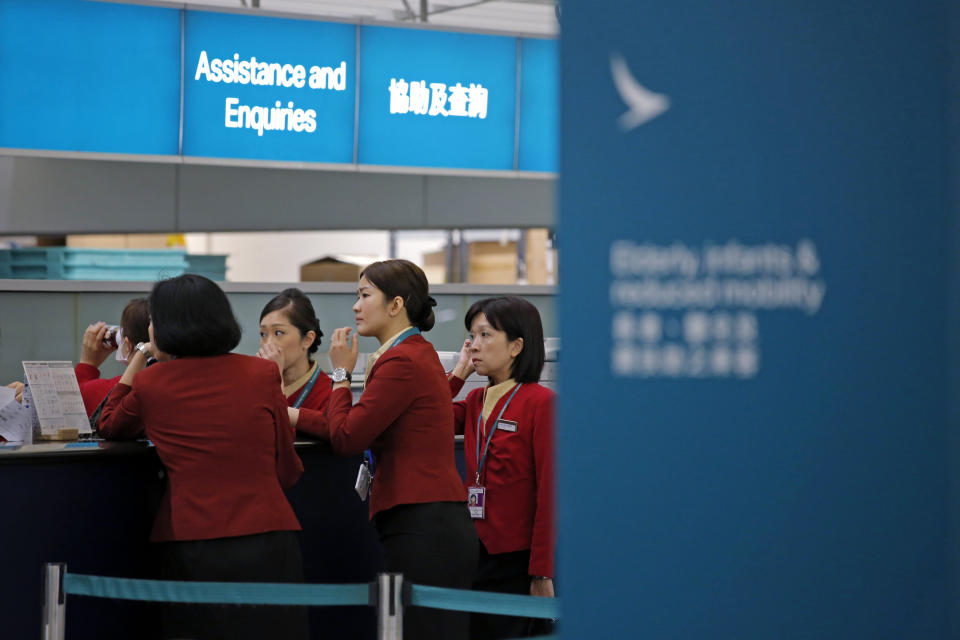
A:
[221,429]
[316,401]
[93,388]
[405,417]
[517,474]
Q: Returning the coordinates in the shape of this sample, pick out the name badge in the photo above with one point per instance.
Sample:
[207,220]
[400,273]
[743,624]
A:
[507,425]
[476,502]
[364,479]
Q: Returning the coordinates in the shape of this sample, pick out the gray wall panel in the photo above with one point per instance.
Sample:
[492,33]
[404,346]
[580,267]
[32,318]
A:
[73,195]
[472,202]
[244,198]
[36,326]
[57,196]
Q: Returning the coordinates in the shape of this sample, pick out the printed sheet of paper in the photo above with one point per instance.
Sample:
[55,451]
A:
[56,396]
[14,421]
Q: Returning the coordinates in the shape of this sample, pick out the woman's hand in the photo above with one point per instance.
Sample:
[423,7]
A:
[270,351]
[464,366]
[542,587]
[17,387]
[343,351]
[93,351]
[294,415]
[137,362]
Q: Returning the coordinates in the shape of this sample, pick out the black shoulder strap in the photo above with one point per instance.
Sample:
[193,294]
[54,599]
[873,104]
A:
[95,416]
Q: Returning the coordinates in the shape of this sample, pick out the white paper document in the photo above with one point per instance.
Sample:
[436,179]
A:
[15,423]
[56,396]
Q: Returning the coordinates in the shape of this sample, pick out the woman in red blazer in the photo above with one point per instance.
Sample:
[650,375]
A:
[95,349]
[290,335]
[405,419]
[220,426]
[508,448]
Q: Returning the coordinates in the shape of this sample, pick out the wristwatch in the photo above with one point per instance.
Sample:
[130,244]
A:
[142,348]
[341,375]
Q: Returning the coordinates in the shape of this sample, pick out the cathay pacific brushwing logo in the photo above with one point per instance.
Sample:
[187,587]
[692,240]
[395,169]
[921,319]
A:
[642,104]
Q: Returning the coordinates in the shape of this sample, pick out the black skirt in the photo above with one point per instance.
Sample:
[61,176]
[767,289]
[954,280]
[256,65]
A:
[264,557]
[505,573]
[433,543]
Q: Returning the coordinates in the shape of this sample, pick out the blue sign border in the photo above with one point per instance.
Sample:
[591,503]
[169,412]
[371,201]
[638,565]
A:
[156,123]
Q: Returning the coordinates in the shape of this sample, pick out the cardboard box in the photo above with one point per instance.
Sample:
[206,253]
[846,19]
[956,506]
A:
[124,241]
[435,266]
[488,263]
[336,268]
[538,263]
[492,263]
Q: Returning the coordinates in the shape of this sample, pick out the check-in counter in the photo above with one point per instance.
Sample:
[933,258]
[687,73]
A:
[92,505]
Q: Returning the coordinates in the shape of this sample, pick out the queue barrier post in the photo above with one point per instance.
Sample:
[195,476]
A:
[389,603]
[389,594]
[54,615]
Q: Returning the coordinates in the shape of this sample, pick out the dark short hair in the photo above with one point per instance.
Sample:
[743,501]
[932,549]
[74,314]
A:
[518,319]
[407,280]
[192,317]
[299,311]
[135,319]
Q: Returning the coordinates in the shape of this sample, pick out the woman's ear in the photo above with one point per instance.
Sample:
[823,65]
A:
[308,339]
[516,347]
[395,306]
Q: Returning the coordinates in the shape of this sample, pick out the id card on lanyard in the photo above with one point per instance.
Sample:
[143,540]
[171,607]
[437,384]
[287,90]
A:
[477,494]
[367,469]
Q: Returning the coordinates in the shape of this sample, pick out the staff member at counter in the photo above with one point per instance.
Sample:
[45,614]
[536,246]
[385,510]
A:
[95,349]
[508,448]
[290,335]
[220,426]
[405,417]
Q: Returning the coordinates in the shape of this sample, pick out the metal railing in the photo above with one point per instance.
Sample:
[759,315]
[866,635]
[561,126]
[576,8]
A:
[389,594]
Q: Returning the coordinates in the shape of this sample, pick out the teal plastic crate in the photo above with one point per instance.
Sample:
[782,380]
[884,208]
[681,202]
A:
[213,266]
[5,264]
[69,263]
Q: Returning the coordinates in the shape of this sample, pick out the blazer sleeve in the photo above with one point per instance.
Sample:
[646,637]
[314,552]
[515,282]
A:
[390,391]
[314,423]
[86,372]
[460,407]
[120,418]
[93,388]
[543,544]
[289,465]
[313,414]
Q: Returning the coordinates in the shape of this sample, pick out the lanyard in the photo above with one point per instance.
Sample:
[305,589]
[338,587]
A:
[307,388]
[412,331]
[486,447]
[368,454]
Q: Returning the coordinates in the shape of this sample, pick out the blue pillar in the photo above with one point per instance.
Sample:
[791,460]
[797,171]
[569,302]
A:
[759,313]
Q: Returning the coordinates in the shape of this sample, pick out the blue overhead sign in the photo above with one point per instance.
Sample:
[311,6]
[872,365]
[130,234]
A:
[89,76]
[104,77]
[268,88]
[539,105]
[437,99]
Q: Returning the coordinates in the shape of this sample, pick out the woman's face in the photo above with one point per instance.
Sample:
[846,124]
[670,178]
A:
[491,353]
[371,309]
[276,328]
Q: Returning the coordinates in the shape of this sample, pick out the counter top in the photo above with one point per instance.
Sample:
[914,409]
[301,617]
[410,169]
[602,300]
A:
[14,451]
[77,449]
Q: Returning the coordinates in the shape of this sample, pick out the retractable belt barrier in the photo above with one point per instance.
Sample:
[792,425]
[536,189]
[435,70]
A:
[389,594]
